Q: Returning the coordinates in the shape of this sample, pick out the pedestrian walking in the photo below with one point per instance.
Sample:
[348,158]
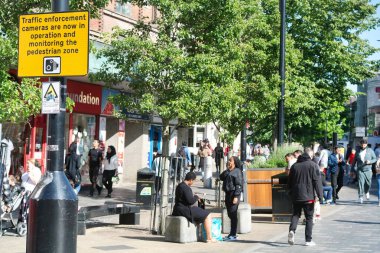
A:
[218,154]
[184,152]
[95,157]
[350,164]
[335,165]
[232,186]
[157,166]
[290,160]
[304,183]
[364,160]
[73,161]
[378,179]
[110,168]
[324,159]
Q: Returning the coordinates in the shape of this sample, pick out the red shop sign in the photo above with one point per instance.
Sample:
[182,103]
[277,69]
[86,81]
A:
[87,97]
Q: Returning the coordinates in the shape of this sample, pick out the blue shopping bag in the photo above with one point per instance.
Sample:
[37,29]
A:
[216,230]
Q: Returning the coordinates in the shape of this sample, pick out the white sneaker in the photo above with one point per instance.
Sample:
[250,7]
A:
[311,243]
[367,195]
[291,238]
[360,200]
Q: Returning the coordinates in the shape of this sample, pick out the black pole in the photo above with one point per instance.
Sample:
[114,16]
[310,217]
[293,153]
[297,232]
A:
[335,139]
[243,144]
[281,116]
[326,131]
[53,205]
[243,156]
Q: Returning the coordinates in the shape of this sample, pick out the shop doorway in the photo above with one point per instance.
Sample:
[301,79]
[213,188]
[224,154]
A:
[155,141]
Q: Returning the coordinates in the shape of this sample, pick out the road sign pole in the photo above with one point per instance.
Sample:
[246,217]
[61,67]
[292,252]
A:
[52,223]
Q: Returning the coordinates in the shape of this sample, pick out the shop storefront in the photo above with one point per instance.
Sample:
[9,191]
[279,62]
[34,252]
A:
[130,137]
[83,123]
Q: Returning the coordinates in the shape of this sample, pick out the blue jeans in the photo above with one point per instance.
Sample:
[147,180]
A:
[327,192]
[378,185]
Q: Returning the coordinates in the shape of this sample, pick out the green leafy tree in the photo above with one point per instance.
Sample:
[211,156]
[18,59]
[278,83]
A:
[324,52]
[333,55]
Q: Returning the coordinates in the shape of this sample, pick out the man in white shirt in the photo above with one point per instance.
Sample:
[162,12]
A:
[323,159]
[9,149]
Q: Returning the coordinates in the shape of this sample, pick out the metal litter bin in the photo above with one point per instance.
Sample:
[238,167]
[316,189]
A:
[282,207]
[145,186]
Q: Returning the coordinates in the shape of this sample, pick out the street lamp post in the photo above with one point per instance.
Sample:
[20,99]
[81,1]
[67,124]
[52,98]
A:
[281,117]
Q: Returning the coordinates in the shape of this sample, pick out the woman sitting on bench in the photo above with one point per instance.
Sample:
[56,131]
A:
[184,201]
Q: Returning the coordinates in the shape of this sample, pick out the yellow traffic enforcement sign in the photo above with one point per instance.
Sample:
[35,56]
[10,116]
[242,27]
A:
[53,44]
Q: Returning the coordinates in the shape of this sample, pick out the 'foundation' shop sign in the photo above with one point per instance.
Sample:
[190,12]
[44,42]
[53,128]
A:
[87,97]
[53,44]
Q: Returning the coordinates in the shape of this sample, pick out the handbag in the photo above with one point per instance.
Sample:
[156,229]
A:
[377,167]
[99,180]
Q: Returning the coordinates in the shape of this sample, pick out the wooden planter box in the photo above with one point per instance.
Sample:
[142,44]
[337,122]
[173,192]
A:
[259,187]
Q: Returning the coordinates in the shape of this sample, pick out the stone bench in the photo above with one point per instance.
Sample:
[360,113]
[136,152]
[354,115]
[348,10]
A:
[179,229]
[128,214]
[244,219]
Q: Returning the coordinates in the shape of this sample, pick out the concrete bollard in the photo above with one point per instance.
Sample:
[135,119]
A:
[179,229]
[244,219]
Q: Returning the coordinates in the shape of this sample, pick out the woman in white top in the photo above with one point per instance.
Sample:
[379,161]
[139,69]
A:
[110,167]
[32,176]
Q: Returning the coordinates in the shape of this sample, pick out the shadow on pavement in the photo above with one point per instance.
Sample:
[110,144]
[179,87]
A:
[145,238]
[273,244]
[359,222]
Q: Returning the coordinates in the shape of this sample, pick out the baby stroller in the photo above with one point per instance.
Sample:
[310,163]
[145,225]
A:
[14,215]
[13,203]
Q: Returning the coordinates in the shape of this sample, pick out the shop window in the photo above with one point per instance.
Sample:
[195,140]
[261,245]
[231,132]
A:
[200,135]
[83,128]
[123,8]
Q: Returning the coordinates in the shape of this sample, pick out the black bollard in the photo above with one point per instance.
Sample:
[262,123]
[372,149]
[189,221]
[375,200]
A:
[53,205]
[52,221]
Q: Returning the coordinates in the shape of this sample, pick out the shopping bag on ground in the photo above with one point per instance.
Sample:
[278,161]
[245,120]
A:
[216,230]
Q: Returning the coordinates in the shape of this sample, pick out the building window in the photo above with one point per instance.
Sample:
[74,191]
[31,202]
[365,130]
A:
[123,8]
[200,135]
[190,139]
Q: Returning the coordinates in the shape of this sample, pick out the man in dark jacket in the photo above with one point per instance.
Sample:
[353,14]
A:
[336,163]
[303,183]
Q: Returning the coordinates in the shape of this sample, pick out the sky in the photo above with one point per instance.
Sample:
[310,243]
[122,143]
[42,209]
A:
[373,37]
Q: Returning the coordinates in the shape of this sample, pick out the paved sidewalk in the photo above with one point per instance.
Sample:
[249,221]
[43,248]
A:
[346,227]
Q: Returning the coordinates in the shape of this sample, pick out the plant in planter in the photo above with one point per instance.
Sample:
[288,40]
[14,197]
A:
[276,159]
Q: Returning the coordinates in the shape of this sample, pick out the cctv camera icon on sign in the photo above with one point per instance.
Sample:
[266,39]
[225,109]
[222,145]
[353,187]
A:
[52,65]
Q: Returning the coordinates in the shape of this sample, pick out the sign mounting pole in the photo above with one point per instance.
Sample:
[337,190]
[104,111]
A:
[53,211]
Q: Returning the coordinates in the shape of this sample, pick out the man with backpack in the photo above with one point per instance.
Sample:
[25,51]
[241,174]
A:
[184,152]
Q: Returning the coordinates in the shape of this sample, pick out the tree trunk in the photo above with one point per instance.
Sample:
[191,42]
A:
[165,176]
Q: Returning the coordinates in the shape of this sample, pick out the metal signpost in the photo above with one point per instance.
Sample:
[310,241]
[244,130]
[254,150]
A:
[54,45]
